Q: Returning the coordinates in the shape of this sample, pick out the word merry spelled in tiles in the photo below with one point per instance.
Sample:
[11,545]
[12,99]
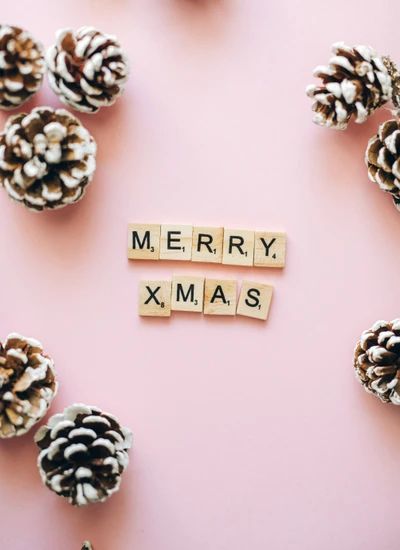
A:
[206,244]
[212,296]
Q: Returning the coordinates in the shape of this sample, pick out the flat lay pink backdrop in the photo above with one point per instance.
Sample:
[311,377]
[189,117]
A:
[248,435]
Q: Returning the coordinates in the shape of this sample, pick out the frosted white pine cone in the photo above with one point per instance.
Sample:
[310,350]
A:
[47,158]
[87,70]
[22,66]
[83,453]
[355,83]
[27,384]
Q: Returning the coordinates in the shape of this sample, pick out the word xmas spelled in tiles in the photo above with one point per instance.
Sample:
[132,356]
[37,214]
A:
[197,294]
[206,244]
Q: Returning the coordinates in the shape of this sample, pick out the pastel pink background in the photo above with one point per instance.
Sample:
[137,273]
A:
[247,435]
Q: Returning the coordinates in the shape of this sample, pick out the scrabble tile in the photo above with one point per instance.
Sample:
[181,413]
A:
[220,297]
[176,242]
[269,249]
[143,241]
[187,293]
[207,244]
[255,300]
[155,298]
[238,247]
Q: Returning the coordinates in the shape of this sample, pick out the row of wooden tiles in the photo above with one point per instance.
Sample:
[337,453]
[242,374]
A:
[206,244]
[197,294]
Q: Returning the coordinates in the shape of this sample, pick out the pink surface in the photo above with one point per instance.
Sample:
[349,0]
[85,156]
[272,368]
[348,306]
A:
[247,435]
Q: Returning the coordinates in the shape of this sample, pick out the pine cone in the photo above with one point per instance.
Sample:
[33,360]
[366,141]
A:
[356,82]
[383,159]
[27,384]
[377,361]
[22,66]
[47,158]
[87,70]
[84,452]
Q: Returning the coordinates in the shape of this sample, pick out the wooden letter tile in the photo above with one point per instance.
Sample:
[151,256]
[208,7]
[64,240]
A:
[143,241]
[254,300]
[187,293]
[220,297]
[176,242]
[269,249]
[155,298]
[207,244]
[238,247]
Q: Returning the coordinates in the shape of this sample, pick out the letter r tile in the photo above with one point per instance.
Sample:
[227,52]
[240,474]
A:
[238,247]
[143,241]
[155,298]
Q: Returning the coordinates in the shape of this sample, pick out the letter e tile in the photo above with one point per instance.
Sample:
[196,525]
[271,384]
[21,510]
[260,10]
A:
[176,242]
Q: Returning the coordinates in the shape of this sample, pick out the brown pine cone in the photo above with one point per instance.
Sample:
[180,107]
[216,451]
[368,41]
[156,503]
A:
[383,159]
[83,454]
[47,158]
[356,82]
[87,70]
[377,361]
[22,66]
[27,384]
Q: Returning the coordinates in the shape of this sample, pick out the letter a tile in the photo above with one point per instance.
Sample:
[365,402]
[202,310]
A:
[255,300]
[220,297]
[143,241]
[187,293]
[155,298]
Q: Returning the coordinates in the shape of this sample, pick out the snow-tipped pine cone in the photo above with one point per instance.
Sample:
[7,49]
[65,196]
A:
[355,83]
[27,384]
[377,361]
[383,159]
[47,158]
[84,451]
[87,70]
[22,66]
